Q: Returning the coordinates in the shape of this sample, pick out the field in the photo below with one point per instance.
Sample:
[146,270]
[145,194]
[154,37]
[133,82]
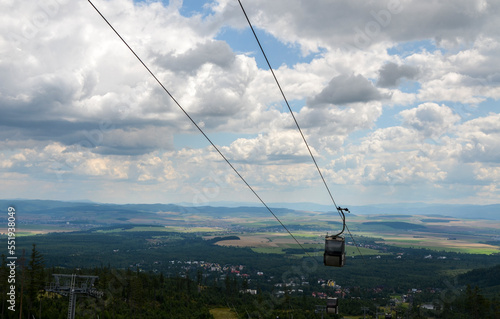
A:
[33,229]
[223,313]
[260,231]
[435,233]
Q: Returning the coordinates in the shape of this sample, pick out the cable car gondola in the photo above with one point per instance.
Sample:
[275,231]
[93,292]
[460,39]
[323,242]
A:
[332,305]
[335,245]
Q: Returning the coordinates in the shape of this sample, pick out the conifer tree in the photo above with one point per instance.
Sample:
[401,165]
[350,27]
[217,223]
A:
[4,273]
[36,273]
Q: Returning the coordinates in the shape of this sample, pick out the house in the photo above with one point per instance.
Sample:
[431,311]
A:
[320,295]
[249,291]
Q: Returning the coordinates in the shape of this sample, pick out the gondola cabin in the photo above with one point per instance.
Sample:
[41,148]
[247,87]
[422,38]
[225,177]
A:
[332,305]
[334,251]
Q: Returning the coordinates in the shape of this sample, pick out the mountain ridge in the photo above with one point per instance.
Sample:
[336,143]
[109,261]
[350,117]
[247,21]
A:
[467,211]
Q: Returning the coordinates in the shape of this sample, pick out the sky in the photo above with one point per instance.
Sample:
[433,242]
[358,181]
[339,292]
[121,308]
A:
[398,100]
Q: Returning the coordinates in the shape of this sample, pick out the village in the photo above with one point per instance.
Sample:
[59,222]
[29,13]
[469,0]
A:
[252,281]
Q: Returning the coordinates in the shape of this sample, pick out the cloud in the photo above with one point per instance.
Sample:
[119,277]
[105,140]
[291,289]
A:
[214,52]
[388,140]
[430,119]
[450,87]
[468,76]
[82,118]
[479,139]
[390,74]
[345,89]
[328,128]
[133,141]
[72,74]
[355,25]
[277,147]
[398,169]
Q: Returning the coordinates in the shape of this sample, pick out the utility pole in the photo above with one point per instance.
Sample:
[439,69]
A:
[72,298]
[320,309]
[72,285]
[364,311]
[376,312]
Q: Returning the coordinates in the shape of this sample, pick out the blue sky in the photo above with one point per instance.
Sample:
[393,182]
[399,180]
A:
[398,105]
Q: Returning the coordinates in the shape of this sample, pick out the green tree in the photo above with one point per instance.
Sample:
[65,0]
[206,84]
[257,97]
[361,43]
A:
[4,285]
[36,278]
[36,273]
[477,306]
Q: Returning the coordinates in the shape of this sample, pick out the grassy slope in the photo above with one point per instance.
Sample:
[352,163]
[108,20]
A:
[223,313]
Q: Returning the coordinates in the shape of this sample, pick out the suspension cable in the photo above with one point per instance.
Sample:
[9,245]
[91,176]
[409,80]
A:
[339,209]
[198,127]
[289,108]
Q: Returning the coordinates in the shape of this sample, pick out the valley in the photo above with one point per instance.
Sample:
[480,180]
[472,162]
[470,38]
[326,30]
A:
[257,229]
[396,263]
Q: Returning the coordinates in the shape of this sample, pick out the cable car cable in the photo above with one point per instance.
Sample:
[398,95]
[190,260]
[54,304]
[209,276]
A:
[198,127]
[339,209]
[289,108]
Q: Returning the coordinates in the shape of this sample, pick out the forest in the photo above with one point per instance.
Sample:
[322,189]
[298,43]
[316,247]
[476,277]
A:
[153,274]
[137,294]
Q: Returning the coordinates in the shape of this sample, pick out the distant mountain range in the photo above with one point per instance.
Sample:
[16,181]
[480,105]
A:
[451,210]
[225,208]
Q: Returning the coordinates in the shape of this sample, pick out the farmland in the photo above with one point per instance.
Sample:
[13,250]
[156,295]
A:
[227,249]
[258,230]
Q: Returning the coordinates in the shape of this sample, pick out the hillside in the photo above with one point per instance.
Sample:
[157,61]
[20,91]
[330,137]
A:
[259,228]
[487,279]
[244,253]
